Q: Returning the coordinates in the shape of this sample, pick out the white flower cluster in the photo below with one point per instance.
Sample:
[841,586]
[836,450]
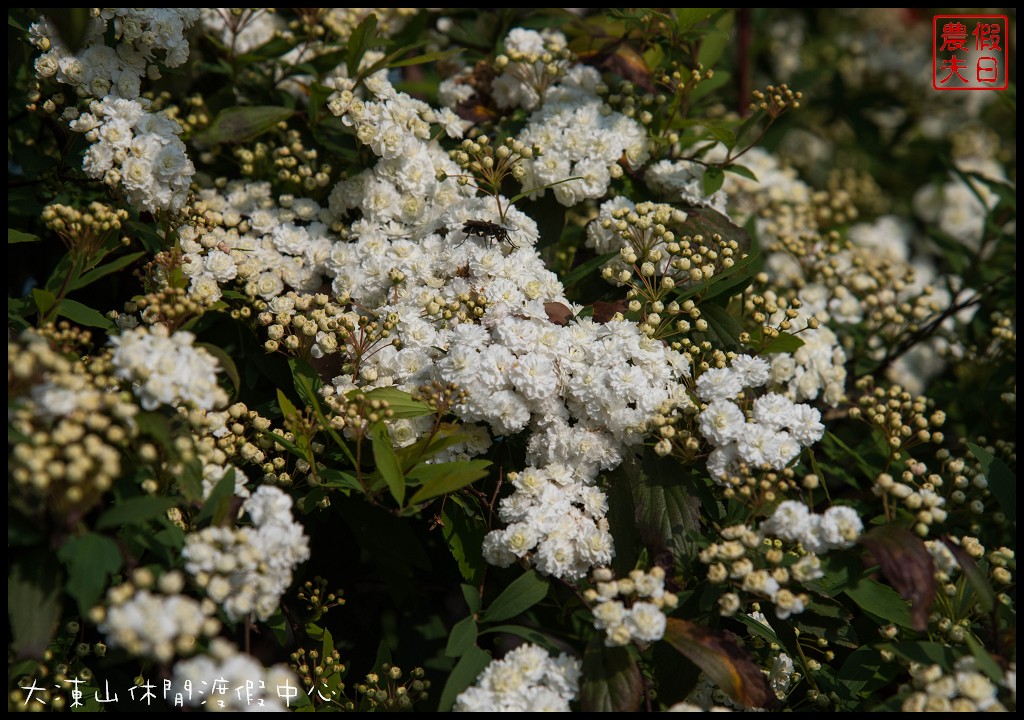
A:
[242,33]
[816,369]
[836,528]
[772,435]
[157,625]
[225,680]
[966,690]
[165,368]
[644,619]
[527,679]
[97,69]
[555,518]
[391,125]
[683,180]
[138,150]
[580,139]
[247,569]
[584,390]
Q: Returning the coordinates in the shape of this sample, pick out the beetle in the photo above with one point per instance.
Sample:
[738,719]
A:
[487,229]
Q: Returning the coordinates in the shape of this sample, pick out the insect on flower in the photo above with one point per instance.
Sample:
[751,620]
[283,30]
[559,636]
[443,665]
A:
[487,229]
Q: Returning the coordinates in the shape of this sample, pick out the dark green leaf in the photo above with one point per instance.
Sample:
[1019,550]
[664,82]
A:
[611,679]
[462,638]
[664,509]
[781,343]
[525,591]
[33,601]
[881,601]
[102,271]
[464,674]
[400,402]
[1001,480]
[472,597]
[984,661]
[242,124]
[528,634]
[306,380]
[441,478]
[220,500]
[713,178]
[585,269]
[83,314]
[150,238]
[741,170]
[44,300]
[465,536]
[723,329]
[134,511]
[360,41]
[926,653]
[90,559]
[226,362]
[17,236]
[387,462]
[864,672]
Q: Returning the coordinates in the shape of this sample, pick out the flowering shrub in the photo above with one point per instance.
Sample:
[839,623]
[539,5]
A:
[535,351]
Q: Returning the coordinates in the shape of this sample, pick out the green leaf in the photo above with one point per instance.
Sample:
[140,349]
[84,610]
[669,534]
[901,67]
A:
[387,462]
[226,362]
[525,591]
[441,478]
[33,601]
[926,653]
[725,136]
[472,598]
[977,579]
[713,179]
[881,601]
[528,634]
[741,170]
[462,638]
[17,236]
[784,342]
[400,402]
[585,269]
[44,300]
[611,679]
[464,674]
[103,270]
[150,238]
[1001,480]
[306,380]
[241,124]
[90,559]
[728,665]
[865,672]
[687,18]
[220,501]
[723,329]
[360,41]
[465,536]
[984,661]
[664,509]
[135,511]
[83,314]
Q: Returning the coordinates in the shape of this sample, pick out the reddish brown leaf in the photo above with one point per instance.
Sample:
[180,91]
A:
[558,313]
[603,311]
[728,665]
[907,565]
